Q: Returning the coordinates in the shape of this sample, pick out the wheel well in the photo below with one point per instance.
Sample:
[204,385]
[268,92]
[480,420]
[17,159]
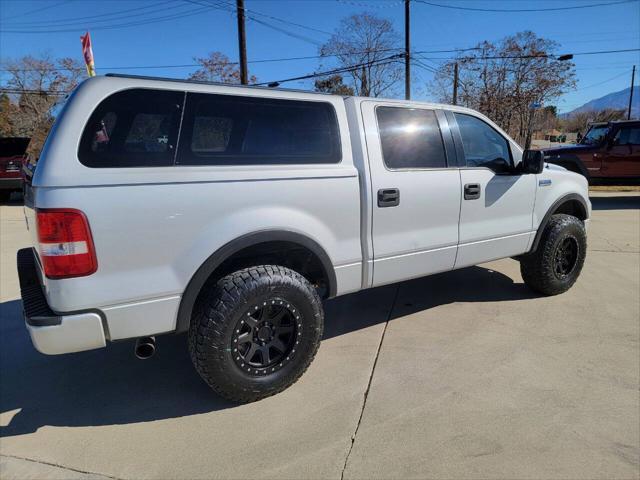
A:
[284,248]
[285,253]
[572,207]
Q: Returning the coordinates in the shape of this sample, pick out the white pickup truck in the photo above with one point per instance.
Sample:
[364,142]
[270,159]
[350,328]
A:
[163,206]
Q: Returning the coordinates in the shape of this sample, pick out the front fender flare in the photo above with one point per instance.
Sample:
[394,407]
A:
[552,209]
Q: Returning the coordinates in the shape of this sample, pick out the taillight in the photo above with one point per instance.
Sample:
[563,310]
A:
[65,243]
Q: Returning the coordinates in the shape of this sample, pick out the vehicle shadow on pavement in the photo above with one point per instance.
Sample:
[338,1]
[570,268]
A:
[622,202]
[474,284]
[110,386]
[101,387]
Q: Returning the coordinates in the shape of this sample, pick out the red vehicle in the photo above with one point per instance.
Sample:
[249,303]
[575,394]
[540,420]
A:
[12,157]
[608,151]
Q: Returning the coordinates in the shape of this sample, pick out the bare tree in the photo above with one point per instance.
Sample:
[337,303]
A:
[333,84]
[546,119]
[578,122]
[217,67]
[503,80]
[368,41]
[37,85]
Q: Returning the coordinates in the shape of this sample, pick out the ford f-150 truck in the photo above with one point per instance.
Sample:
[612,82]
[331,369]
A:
[162,206]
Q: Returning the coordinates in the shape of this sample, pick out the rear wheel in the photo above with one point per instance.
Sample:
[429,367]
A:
[255,332]
[556,264]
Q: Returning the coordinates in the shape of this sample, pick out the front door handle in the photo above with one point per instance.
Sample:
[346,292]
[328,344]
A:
[388,197]
[472,191]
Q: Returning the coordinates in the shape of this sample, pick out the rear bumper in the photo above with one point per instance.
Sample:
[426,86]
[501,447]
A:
[54,333]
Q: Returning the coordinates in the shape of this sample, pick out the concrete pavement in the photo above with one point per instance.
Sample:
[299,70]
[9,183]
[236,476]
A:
[461,375]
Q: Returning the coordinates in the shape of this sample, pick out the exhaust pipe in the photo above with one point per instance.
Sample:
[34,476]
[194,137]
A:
[145,347]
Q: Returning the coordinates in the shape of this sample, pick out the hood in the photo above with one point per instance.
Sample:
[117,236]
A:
[571,149]
[553,166]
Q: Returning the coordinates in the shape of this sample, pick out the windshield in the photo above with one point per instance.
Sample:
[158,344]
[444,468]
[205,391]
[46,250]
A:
[595,135]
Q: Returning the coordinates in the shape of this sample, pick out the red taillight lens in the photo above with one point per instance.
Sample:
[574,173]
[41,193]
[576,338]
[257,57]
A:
[66,246]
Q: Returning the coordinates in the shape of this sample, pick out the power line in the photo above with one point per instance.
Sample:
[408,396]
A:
[88,18]
[191,65]
[417,54]
[279,19]
[349,68]
[382,61]
[228,8]
[121,25]
[543,55]
[625,73]
[38,10]
[524,10]
[94,23]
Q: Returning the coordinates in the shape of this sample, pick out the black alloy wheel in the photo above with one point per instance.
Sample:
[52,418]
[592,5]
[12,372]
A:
[566,257]
[265,337]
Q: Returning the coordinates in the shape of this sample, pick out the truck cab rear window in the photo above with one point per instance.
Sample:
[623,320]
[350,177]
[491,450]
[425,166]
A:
[133,128]
[239,130]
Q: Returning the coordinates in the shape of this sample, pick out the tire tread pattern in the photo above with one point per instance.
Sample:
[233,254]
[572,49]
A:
[214,309]
[536,268]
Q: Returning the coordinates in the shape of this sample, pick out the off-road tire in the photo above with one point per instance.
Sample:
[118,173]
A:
[223,304]
[538,268]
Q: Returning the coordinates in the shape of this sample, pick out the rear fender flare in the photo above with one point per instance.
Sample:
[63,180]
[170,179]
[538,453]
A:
[216,259]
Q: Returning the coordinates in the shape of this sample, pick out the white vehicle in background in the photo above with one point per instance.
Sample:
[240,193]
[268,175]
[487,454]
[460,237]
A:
[260,204]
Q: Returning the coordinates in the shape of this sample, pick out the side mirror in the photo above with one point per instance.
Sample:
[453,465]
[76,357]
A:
[532,161]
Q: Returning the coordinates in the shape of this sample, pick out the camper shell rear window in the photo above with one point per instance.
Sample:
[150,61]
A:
[133,128]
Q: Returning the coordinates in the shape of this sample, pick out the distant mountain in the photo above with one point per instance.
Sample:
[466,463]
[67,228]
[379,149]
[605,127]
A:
[618,100]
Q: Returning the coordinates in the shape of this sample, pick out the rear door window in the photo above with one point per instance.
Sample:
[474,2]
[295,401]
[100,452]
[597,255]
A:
[410,138]
[628,136]
[133,128]
[239,130]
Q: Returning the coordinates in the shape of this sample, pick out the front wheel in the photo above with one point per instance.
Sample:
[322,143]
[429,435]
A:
[556,264]
[255,332]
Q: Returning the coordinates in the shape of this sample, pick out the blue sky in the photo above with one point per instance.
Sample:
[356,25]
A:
[191,30]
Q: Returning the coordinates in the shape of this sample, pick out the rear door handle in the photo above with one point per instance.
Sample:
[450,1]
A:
[388,197]
[472,191]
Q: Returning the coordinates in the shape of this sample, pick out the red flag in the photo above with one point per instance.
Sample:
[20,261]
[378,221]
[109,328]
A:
[87,53]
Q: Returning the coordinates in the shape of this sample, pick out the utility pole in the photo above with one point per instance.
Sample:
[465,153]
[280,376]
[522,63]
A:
[455,83]
[242,42]
[407,50]
[633,77]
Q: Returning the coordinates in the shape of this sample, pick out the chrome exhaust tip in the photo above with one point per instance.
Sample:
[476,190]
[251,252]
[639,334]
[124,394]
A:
[145,347]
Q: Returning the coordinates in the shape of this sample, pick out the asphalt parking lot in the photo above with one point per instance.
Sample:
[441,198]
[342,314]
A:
[466,374]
